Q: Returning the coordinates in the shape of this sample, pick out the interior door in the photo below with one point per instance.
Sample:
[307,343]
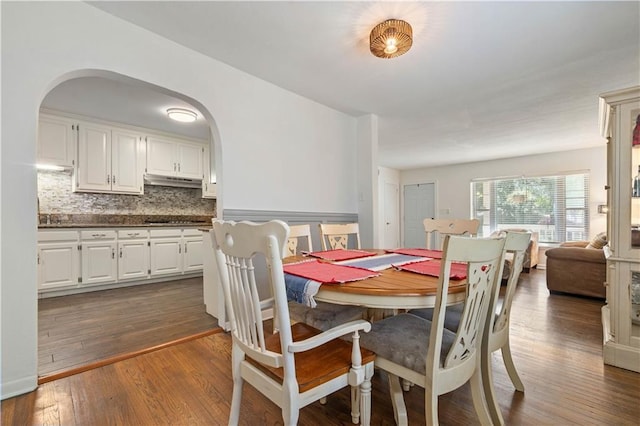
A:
[391,238]
[419,204]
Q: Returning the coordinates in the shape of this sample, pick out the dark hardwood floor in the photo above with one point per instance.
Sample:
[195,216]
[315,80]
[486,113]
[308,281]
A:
[80,330]
[556,345]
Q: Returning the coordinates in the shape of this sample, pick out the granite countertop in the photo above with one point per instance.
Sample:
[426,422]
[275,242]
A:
[64,221]
[204,225]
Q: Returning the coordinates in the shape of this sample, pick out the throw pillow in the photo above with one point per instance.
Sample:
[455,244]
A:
[598,242]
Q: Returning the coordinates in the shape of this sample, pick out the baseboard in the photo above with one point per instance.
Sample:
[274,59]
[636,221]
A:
[19,387]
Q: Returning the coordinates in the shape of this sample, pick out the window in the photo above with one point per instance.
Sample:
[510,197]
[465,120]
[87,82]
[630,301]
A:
[554,206]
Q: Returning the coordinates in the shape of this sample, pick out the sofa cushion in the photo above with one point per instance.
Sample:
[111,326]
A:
[598,242]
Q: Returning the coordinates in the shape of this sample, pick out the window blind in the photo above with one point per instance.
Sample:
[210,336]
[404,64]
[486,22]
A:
[554,206]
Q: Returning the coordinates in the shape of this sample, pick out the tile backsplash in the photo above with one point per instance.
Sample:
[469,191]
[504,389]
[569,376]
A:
[55,197]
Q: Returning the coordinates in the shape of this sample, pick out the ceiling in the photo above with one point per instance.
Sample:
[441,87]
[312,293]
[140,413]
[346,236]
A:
[483,80]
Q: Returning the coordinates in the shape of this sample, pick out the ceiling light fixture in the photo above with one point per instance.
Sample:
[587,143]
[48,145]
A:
[391,38]
[182,115]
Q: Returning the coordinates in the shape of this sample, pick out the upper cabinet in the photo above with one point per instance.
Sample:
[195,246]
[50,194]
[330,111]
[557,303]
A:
[109,160]
[208,181]
[56,141]
[174,158]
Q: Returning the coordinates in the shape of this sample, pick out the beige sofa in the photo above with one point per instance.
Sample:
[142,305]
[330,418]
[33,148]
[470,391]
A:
[575,269]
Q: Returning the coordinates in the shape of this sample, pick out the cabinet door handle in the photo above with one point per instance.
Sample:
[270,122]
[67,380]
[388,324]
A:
[179,249]
[174,167]
[121,253]
[114,179]
[178,166]
[185,248]
[113,253]
[108,179]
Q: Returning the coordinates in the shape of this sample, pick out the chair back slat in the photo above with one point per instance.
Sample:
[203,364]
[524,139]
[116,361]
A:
[438,228]
[336,236]
[236,245]
[484,258]
[516,243]
[297,233]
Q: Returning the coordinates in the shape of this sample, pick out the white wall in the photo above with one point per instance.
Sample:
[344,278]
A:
[267,136]
[453,197]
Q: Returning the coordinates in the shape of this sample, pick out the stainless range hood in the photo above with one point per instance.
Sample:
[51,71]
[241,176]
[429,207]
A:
[172,181]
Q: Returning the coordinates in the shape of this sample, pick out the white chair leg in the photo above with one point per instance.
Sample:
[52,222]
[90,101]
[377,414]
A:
[365,396]
[323,400]
[406,385]
[478,397]
[355,404]
[431,406]
[397,400]
[237,357]
[290,409]
[489,391]
[511,368]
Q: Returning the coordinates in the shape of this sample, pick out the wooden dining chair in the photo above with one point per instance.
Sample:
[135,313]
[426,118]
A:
[299,364]
[324,315]
[425,352]
[336,236]
[496,333]
[436,229]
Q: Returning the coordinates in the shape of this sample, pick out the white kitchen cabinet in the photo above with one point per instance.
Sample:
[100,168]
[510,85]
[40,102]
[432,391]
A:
[99,263]
[192,241]
[58,259]
[56,141]
[109,160]
[133,254]
[174,158]
[166,251]
[208,179]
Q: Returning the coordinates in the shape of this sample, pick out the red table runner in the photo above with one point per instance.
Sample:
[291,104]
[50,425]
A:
[434,254]
[432,268]
[340,254]
[328,273]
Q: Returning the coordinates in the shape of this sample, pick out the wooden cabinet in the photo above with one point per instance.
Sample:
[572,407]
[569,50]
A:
[99,263]
[58,259]
[109,160]
[174,158]
[620,114]
[133,254]
[56,141]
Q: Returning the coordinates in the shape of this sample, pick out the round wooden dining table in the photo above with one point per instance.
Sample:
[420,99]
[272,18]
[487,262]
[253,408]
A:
[392,289]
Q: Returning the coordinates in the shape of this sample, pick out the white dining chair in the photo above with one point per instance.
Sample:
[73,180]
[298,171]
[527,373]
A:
[324,315]
[436,229]
[299,364]
[425,352]
[337,235]
[496,334]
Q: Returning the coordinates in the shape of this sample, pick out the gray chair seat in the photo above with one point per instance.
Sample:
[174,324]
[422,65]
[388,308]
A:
[451,316]
[325,315]
[404,340]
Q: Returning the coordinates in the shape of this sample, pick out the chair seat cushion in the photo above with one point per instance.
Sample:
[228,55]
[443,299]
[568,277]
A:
[315,366]
[452,314]
[325,315]
[403,339]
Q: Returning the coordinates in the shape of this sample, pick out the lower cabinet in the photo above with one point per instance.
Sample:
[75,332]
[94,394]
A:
[99,263]
[133,254]
[73,259]
[58,260]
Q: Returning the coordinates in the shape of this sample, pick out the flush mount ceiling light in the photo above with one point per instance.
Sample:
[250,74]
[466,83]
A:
[391,38]
[182,115]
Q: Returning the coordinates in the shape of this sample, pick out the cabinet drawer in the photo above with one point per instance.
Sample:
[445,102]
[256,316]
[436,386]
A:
[128,234]
[45,236]
[98,234]
[163,233]
[191,232]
